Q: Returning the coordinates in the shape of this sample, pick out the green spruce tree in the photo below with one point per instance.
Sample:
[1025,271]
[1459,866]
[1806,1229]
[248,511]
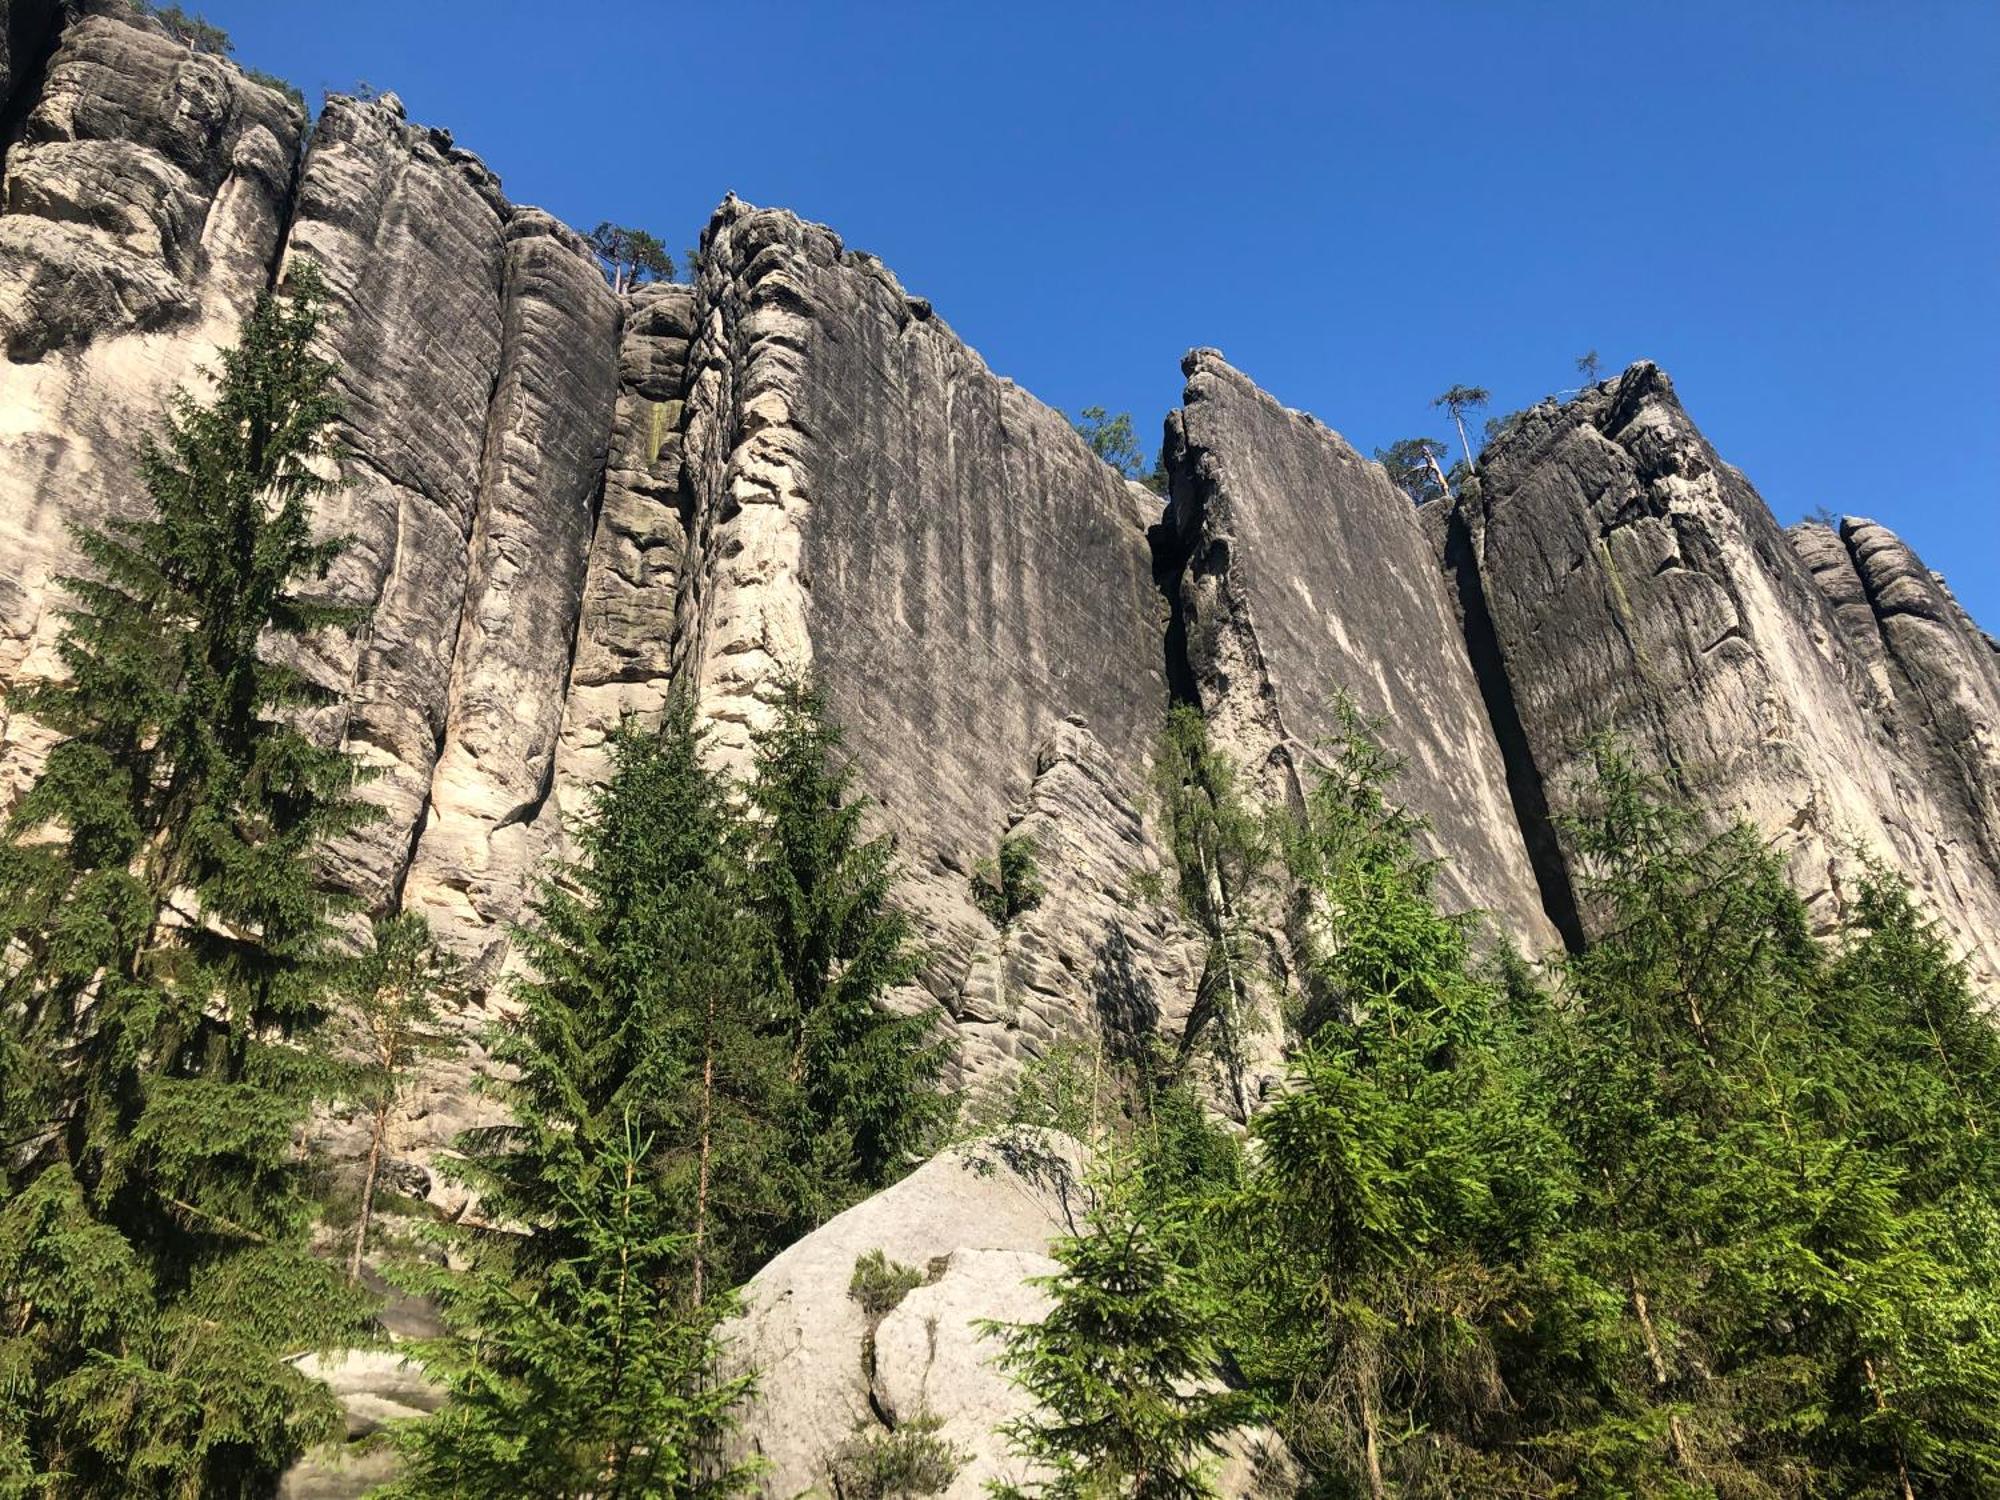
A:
[866,1077]
[644,1171]
[169,953]
[1123,1369]
[393,995]
[594,1376]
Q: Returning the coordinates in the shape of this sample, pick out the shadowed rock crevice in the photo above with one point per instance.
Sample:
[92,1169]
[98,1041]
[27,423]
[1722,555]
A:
[29,32]
[1524,778]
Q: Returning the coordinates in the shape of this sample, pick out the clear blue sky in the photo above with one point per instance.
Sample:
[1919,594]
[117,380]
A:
[1795,208]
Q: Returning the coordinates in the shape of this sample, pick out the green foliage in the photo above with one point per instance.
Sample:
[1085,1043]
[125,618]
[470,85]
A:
[880,1284]
[1220,848]
[190,30]
[834,951]
[1112,439]
[594,1377]
[1011,883]
[630,256]
[701,1046]
[1714,1216]
[1413,466]
[1123,1369]
[1457,401]
[1373,1251]
[393,997]
[169,964]
[905,1463]
[645,1000]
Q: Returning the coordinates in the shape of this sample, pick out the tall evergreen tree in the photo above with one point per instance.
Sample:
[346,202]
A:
[643,1173]
[867,1076]
[1374,1257]
[1123,1370]
[167,941]
[592,1378]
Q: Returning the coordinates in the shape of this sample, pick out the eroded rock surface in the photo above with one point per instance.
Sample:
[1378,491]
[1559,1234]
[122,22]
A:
[142,205]
[1635,584]
[977,1222]
[866,500]
[1301,578]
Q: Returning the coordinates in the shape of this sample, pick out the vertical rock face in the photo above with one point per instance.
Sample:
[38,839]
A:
[546,432]
[143,201]
[625,634]
[1635,584]
[408,233]
[867,500]
[1299,575]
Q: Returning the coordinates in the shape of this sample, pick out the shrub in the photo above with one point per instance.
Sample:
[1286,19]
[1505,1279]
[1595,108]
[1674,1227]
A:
[1005,887]
[909,1461]
[880,1284]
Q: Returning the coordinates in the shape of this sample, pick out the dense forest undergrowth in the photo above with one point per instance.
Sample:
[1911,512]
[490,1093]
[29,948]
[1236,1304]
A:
[1707,1209]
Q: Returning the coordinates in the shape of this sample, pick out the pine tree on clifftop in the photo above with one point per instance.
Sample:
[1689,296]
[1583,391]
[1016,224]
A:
[166,952]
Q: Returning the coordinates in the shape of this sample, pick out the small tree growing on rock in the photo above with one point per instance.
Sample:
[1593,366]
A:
[1459,400]
[1011,883]
[630,256]
[1413,467]
[396,990]
[1122,1369]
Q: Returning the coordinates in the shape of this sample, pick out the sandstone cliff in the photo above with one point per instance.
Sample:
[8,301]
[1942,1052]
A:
[567,504]
[1623,579]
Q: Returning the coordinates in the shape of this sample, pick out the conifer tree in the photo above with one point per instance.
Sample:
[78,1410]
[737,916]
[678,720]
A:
[1402,1179]
[593,1378]
[866,1076]
[646,996]
[168,951]
[1123,1369]
[393,993]
[643,1173]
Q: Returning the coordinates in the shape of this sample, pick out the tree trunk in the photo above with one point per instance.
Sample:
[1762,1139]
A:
[375,1138]
[707,1137]
[1676,1438]
[1378,1488]
[1881,1405]
[1443,484]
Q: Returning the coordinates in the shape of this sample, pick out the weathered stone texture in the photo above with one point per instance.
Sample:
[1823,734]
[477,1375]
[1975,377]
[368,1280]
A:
[142,204]
[1300,577]
[868,501]
[1099,960]
[625,631]
[978,1222]
[1635,584]
[546,433]
[407,231]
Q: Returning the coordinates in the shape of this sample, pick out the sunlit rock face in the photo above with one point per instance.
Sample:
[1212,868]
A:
[142,204]
[566,504]
[1632,583]
[1302,580]
[971,586]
